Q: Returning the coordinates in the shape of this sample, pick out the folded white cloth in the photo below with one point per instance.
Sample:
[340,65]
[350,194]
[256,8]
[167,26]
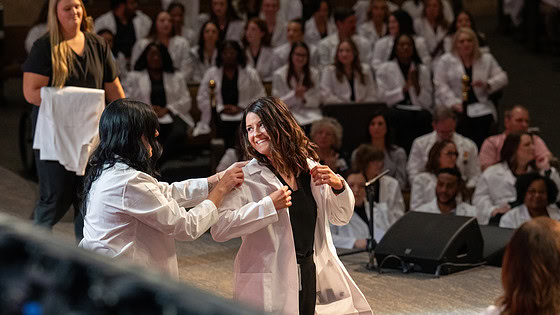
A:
[67,125]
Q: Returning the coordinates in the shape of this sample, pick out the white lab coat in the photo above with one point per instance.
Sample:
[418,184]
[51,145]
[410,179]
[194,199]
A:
[290,9]
[495,188]
[278,36]
[328,45]
[264,65]
[423,189]
[416,10]
[138,86]
[249,86]
[389,209]
[362,9]
[448,83]
[390,82]
[265,268]
[515,217]
[142,23]
[67,125]
[196,68]
[462,209]
[312,35]
[306,110]
[192,10]
[34,34]
[383,47]
[368,30]
[282,55]
[334,91]
[467,161]
[178,50]
[130,214]
[432,37]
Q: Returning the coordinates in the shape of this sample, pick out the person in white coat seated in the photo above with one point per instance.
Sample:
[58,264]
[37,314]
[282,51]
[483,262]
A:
[294,33]
[363,9]
[203,56]
[345,19]
[129,215]
[536,195]
[185,23]
[230,25]
[464,80]
[127,24]
[432,26]
[375,26]
[399,23]
[274,21]
[154,81]
[495,191]
[319,25]
[236,86]
[444,122]
[448,187]
[405,85]
[347,80]
[162,31]
[297,84]
[287,263]
[530,270]
[416,7]
[443,154]
[326,133]
[464,19]
[256,44]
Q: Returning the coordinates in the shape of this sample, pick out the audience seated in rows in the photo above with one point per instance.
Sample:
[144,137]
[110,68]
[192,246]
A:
[448,195]
[347,79]
[256,44]
[444,124]
[443,154]
[298,85]
[405,85]
[515,120]
[536,195]
[464,80]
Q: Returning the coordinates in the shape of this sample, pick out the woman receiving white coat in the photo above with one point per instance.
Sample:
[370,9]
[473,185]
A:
[287,263]
[257,48]
[237,85]
[162,32]
[297,84]
[399,23]
[347,80]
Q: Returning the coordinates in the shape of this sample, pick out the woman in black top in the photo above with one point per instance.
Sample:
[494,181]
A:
[69,55]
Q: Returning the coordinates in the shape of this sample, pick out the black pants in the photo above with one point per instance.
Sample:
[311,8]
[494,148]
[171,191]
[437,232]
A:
[408,125]
[307,294]
[477,129]
[58,189]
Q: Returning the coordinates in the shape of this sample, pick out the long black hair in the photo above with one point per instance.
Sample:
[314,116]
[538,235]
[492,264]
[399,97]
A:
[124,127]
[202,41]
[166,61]
[307,81]
[415,57]
[241,57]
[406,24]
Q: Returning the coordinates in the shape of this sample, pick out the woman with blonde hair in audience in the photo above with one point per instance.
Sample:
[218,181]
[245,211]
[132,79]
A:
[536,195]
[163,32]
[531,271]
[376,25]
[432,25]
[298,85]
[443,154]
[495,192]
[223,15]
[347,79]
[203,56]
[257,48]
[399,22]
[405,85]
[70,54]
[326,133]
[464,80]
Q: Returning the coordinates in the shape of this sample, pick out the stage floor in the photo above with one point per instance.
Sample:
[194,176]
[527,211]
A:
[208,265]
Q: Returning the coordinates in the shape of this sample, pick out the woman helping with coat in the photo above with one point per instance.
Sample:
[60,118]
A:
[287,262]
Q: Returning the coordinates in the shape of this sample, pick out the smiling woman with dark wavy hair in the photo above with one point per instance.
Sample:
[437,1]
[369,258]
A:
[282,213]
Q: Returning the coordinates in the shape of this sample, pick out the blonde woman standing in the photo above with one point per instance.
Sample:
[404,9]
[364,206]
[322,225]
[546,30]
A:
[69,55]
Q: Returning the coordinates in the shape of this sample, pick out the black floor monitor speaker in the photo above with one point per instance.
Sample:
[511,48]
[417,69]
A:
[495,242]
[431,243]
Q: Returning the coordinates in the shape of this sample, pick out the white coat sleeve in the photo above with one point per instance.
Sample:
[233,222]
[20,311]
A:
[203,99]
[340,241]
[144,199]
[324,54]
[179,100]
[443,92]
[482,200]
[187,193]
[498,77]
[183,57]
[313,95]
[137,50]
[473,166]
[257,87]
[281,90]
[414,165]
[328,80]
[395,204]
[238,216]
[417,192]
[130,85]
[371,95]
[507,220]
[423,51]
[423,99]
[339,207]
[389,92]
